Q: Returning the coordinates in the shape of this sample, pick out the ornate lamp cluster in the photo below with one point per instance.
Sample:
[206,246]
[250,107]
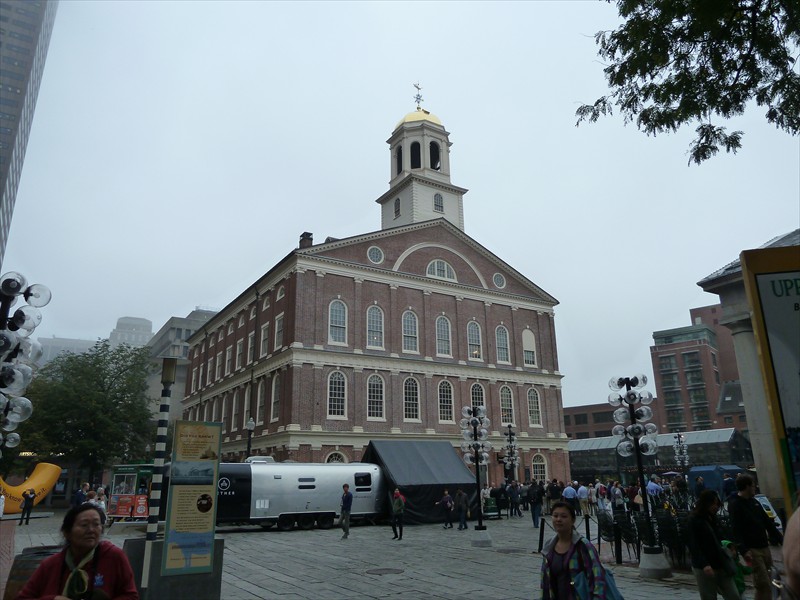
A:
[511,459]
[476,447]
[638,436]
[681,451]
[18,353]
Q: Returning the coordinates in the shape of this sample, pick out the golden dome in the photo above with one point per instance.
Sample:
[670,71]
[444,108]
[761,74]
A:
[419,115]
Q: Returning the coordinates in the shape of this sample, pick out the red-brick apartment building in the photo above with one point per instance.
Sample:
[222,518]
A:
[386,335]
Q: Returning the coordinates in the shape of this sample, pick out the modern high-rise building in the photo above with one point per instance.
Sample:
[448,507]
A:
[386,335]
[25,28]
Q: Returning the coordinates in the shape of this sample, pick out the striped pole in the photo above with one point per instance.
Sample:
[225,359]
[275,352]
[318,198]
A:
[167,379]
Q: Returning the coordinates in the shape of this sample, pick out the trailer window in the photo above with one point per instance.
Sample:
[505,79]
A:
[307,487]
[363,480]
[301,479]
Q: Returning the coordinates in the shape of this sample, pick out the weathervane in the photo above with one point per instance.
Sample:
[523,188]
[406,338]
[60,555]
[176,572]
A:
[418,97]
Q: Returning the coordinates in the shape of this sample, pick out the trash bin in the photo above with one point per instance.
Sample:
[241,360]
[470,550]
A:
[24,566]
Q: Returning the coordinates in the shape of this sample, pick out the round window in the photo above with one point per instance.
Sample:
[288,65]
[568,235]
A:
[375,255]
[499,280]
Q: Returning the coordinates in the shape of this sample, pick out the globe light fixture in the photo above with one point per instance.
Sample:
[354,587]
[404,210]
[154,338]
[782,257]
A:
[476,448]
[18,353]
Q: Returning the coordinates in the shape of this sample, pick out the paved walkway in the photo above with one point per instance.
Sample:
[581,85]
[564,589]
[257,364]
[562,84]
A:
[429,563]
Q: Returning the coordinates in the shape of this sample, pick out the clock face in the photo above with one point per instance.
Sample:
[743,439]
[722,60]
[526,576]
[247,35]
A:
[499,280]
[375,255]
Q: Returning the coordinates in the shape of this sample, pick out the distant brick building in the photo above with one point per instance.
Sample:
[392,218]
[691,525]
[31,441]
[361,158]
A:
[697,381]
[589,421]
[386,335]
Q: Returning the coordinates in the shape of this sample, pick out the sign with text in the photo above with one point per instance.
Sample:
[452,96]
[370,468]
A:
[192,499]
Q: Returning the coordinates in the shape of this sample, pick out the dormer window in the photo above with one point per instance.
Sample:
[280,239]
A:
[441,270]
[438,203]
[416,156]
[436,160]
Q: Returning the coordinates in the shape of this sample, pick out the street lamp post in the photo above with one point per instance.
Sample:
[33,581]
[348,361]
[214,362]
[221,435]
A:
[250,426]
[18,353]
[639,439]
[511,459]
[476,448]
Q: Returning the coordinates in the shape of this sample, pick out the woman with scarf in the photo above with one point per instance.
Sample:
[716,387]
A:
[87,568]
[566,555]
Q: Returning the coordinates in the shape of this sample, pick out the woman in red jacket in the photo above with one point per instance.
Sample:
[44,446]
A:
[86,568]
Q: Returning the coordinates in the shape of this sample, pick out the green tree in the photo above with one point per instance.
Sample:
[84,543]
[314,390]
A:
[681,62]
[92,408]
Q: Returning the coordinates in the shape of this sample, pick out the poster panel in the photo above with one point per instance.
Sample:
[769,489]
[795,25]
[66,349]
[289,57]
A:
[192,499]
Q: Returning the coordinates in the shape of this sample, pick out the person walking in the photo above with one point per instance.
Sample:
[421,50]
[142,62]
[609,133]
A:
[347,505]
[617,498]
[79,497]
[462,507]
[398,506]
[583,499]
[566,555]
[486,493]
[570,496]
[28,496]
[710,565]
[512,491]
[447,505]
[753,531]
[592,499]
[553,494]
[535,498]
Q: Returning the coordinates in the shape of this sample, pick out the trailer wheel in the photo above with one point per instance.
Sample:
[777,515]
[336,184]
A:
[305,522]
[325,521]
[285,523]
[266,524]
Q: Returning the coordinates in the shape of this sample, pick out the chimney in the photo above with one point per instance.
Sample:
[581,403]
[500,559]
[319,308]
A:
[306,239]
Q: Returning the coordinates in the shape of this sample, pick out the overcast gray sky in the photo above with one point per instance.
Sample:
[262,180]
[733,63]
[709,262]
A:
[180,148]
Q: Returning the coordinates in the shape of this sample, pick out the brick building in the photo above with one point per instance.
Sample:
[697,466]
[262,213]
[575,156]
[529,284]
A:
[696,376]
[589,421]
[386,335]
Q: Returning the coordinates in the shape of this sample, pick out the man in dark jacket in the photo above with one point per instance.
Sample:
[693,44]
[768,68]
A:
[535,498]
[753,531]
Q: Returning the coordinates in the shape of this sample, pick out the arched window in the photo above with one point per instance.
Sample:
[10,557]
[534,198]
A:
[443,346]
[436,159]
[476,395]
[416,156]
[262,388]
[235,411]
[528,348]
[336,457]
[411,400]
[474,340]
[441,269]
[375,403]
[337,389]
[438,203]
[246,407]
[538,468]
[374,327]
[337,322]
[506,406]
[410,335]
[445,401]
[534,409]
[275,409]
[398,160]
[396,207]
[281,293]
[501,340]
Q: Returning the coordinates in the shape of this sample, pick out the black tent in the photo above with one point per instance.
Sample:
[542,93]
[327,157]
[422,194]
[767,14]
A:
[422,471]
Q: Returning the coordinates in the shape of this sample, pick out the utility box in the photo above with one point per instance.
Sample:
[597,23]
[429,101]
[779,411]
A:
[195,585]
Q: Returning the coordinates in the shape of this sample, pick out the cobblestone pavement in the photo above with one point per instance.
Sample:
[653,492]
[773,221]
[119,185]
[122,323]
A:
[429,562]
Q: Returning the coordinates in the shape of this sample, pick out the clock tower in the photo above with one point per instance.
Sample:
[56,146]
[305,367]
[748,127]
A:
[419,187]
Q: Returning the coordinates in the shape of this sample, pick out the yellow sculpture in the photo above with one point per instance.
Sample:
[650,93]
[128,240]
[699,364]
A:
[42,480]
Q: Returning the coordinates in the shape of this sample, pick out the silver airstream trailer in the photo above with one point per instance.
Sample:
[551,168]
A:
[306,494]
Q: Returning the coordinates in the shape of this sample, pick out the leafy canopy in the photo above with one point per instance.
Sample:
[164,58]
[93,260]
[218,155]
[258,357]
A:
[681,62]
[92,408]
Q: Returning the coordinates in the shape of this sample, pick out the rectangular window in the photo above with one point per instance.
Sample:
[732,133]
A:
[581,419]
[697,396]
[218,372]
[670,380]
[530,358]
[239,353]
[278,343]
[228,359]
[713,359]
[667,363]
[568,420]
[672,398]
[691,359]
[210,370]
[194,379]
[251,347]
[694,378]
[603,417]
[265,340]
